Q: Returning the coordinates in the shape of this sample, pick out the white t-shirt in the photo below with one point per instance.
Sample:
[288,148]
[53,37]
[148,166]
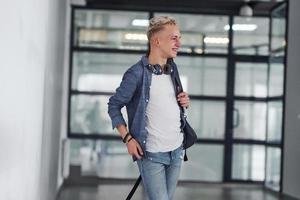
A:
[162,116]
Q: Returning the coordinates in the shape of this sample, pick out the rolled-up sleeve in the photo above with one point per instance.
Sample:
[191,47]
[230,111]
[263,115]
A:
[123,95]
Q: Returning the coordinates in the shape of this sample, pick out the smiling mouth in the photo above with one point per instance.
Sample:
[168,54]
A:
[175,50]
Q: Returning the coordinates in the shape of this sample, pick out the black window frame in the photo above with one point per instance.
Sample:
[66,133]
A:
[229,99]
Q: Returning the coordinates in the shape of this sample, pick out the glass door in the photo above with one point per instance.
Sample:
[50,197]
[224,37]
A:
[257,109]
[249,120]
[276,97]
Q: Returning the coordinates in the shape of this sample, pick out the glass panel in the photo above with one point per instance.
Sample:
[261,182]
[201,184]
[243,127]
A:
[110,29]
[276,79]
[108,159]
[250,120]
[251,79]
[248,162]
[205,163]
[274,121]
[100,71]
[203,76]
[202,33]
[251,35]
[89,115]
[273,168]
[207,118]
[278,29]
[93,72]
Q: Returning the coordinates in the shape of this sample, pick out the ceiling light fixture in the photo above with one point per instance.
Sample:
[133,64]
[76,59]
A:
[241,27]
[246,10]
[198,50]
[140,22]
[216,40]
[135,36]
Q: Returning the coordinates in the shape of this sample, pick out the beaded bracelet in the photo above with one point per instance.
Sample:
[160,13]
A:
[126,136]
[129,140]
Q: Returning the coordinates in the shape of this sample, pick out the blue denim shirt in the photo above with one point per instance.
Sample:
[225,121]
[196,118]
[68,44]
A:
[134,93]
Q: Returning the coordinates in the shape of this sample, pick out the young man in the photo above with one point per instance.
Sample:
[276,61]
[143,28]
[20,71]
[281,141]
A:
[149,93]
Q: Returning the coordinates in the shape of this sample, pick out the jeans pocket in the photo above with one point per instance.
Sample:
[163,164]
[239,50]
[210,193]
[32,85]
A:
[158,157]
[180,153]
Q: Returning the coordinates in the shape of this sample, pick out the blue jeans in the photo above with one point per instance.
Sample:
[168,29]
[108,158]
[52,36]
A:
[160,172]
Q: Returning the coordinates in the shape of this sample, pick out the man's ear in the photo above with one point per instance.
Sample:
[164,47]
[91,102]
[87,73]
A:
[155,41]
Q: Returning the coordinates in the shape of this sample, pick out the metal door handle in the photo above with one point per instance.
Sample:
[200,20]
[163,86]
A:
[236,117]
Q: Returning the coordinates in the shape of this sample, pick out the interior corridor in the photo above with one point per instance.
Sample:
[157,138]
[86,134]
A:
[61,60]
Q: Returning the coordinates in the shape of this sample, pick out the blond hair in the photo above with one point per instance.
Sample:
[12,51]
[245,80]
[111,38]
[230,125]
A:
[156,24]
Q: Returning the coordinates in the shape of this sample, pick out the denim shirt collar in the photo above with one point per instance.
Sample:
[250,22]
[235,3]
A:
[170,61]
[145,61]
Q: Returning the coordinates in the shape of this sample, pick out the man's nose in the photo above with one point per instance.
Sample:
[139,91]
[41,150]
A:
[178,43]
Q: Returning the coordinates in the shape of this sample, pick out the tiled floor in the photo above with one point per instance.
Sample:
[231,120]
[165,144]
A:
[185,191]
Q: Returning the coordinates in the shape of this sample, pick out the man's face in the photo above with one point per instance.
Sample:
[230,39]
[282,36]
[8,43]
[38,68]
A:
[169,41]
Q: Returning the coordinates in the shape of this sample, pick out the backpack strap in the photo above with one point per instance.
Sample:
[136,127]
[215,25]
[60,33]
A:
[131,193]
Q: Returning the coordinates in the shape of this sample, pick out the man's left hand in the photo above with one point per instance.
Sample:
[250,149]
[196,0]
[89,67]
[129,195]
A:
[183,99]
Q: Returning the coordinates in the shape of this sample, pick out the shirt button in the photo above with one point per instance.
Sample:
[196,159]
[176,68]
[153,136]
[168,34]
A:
[147,100]
[144,141]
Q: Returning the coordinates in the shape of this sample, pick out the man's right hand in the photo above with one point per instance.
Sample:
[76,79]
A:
[133,146]
[134,149]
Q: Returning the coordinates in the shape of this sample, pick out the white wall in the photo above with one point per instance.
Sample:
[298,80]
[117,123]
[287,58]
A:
[291,168]
[53,92]
[65,90]
[31,54]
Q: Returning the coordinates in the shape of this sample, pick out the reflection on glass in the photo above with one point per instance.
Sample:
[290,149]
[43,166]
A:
[276,79]
[251,79]
[203,76]
[207,118]
[102,158]
[103,72]
[100,71]
[278,29]
[110,159]
[205,163]
[248,162]
[250,120]
[273,168]
[202,33]
[278,33]
[110,29]
[251,35]
[274,121]
[89,115]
